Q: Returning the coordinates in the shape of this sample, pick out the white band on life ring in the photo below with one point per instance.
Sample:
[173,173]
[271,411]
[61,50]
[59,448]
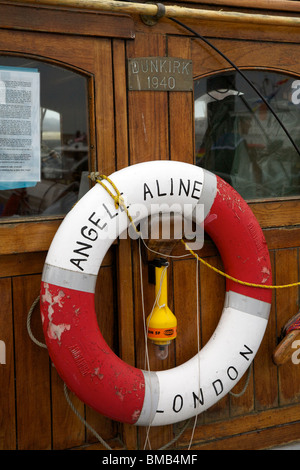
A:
[76,346]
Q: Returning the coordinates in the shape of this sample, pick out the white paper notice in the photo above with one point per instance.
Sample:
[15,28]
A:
[19,126]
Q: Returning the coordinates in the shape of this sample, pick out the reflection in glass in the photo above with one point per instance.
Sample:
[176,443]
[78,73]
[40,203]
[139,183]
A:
[238,138]
[64,144]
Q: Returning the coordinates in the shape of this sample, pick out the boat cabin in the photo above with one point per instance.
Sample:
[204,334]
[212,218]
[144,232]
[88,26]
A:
[87,88]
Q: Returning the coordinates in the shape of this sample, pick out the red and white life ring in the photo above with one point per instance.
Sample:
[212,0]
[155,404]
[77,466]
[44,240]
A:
[76,346]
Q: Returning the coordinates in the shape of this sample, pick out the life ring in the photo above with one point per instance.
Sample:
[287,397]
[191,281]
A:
[75,344]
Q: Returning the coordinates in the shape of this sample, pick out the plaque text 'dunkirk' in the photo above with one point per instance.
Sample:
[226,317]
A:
[160,74]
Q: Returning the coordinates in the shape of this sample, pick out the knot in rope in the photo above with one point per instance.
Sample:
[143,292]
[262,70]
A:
[96,177]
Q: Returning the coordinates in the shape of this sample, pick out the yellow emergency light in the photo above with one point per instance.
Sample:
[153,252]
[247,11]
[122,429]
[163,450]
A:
[161,323]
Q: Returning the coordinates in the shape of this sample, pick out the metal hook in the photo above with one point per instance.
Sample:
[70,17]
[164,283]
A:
[153,20]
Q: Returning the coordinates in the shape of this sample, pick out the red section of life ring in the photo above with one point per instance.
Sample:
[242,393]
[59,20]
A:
[236,232]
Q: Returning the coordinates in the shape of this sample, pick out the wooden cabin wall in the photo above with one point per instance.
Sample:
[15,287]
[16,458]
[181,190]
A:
[128,127]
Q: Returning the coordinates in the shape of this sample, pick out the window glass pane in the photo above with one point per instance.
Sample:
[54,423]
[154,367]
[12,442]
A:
[64,144]
[238,138]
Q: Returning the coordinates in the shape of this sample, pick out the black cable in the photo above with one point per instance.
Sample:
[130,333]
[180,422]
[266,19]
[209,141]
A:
[199,36]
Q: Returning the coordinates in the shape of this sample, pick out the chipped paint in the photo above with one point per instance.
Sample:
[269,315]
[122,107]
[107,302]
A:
[54,331]
[234,203]
[136,415]
[97,373]
[119,394]
[267,273]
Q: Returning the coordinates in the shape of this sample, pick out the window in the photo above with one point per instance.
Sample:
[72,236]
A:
[64,148]
[238,138]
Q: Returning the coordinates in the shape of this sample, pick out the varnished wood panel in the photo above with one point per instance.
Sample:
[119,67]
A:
[68,431]
[240,430]
[104,106]
[148,111]
[27,237]
[32,371]
[264,55]
[120,95]
[212,288]
[52,47]
[277,214]
[288,237]
[21,263]
[287,304]
[181,105]
[227,29]
[18,264]
[269,5]
[256,439]
[56,20]
[185,308]
[7,388]
[265,372]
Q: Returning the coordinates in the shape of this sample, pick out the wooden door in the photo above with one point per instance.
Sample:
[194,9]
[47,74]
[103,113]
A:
[34,413]
[271,398]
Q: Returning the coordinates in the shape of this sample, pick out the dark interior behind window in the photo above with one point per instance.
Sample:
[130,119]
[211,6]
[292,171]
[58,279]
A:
[238,138]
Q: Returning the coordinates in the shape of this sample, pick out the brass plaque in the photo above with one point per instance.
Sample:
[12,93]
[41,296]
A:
[160,74]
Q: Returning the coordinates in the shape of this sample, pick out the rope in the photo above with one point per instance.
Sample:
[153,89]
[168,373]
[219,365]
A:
[245,386]
[81,418]
[119,201]
[35,302]
[244,283]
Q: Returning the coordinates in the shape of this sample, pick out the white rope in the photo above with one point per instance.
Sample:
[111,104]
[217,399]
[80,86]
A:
[42,345]
[246,384]
[162,254]
[145,327]
[146,359]
[81,418]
